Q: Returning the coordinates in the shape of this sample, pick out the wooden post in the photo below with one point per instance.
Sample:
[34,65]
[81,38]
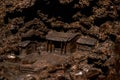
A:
[47,45]
[61,47]
[65,47]
[50,46]
[54,47]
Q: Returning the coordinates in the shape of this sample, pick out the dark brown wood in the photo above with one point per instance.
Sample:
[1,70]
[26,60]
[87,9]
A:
[61,47]
[50,46]
[87,41]
[61,37]
[65,47]
[47,45]
[54,48]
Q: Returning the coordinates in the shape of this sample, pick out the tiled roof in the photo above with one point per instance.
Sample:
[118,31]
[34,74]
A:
[60,36]
[87,41]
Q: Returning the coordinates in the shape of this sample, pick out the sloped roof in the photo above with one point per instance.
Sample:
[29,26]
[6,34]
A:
[87,41]
[60,36]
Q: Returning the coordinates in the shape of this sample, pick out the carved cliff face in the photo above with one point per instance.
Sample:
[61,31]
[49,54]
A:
[25,23]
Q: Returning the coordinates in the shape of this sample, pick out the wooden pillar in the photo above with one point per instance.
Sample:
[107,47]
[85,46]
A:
[47,45]
[65,47]
[54,47]
[50,46]
[61,47]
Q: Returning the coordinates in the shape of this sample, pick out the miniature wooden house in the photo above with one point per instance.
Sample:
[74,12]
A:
[86,43]
[64,42]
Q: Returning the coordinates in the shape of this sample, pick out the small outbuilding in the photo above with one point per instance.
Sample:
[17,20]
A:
[86,43]
[63,42]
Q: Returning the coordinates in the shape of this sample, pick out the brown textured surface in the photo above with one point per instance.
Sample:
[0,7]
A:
[60,36]
[25,23]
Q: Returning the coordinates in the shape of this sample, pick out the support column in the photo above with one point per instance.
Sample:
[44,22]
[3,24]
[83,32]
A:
[54,47]
[61,47]
[50,46]
[47,45]
[65,47]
